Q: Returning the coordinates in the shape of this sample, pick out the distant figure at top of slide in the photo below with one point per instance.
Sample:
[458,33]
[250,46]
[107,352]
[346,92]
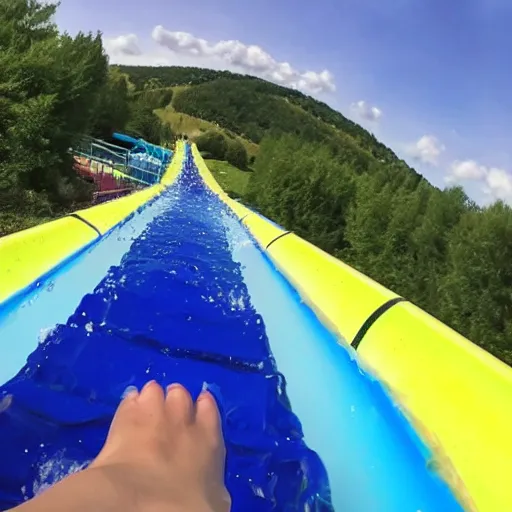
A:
[163,453]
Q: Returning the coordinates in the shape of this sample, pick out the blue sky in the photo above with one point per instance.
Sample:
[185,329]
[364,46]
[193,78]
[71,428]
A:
[432,79]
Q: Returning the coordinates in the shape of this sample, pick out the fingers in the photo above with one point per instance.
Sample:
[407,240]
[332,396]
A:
[151,396]
[181,408]
[208,416]
[125,408]
[207,411]
[179,404]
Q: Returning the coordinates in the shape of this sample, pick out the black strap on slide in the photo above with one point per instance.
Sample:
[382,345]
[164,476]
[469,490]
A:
[92,226]
[373,318]
[277,238]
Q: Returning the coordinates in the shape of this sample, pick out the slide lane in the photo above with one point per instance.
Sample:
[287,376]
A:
[190,298]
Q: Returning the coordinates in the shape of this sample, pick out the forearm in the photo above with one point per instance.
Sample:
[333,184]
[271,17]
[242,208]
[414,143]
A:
[87,491]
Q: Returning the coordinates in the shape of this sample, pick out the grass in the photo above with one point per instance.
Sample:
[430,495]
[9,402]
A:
[230,178]
[183,123]
[177,89]
[193,127]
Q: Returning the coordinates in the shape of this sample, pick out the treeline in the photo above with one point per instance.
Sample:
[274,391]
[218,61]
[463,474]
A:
[317,173]
[436,248]
[120,107]
[216,145]
[200,101]
[241,108]
[169,76]
[54,89]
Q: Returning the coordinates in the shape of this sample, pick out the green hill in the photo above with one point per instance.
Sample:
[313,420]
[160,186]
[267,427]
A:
[228,98]
[194,127]
[330,181]
[252,108]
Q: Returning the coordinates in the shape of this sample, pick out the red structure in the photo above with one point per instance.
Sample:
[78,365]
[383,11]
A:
[107,185]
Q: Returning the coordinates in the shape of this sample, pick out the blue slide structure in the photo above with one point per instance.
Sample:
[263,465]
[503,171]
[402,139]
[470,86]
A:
[144,156]
[181,293]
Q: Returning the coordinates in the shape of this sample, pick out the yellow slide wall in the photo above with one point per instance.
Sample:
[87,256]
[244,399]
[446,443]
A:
[28,255]
[457,396]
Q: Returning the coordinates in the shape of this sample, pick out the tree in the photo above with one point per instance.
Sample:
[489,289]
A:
[144,123]
[396,263]
[153,84]
[430,239]
[48,84]
[166,135]
[112,110]
[476,296]
[154,97]
[302,186]
[236,154]
[367,224]
[213,143]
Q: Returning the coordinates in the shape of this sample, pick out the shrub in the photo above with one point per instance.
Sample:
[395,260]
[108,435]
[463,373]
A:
[213,143]
[236,154]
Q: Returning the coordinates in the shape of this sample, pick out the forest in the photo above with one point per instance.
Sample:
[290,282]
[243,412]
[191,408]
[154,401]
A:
[241,87]
[344,191]
[54,89]
[315,171]
[436,248]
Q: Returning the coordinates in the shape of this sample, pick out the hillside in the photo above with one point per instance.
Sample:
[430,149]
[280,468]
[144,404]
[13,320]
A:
[330,181]
[316,172]
[218,86]
[253,108]
[193,127]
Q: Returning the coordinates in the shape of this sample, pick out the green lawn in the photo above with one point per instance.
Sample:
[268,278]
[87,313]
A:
[193,127]
[231,179]
[183,123]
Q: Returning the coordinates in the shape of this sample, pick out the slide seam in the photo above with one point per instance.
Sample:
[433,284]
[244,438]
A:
[85,221]
[373,318]
[277,238]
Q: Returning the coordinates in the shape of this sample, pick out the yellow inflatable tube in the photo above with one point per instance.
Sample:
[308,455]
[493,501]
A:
[456,395]
[28,255]
[340,296]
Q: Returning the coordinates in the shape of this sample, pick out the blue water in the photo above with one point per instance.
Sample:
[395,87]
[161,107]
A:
[374,459]
[29,316]
[181,293]
[194,324]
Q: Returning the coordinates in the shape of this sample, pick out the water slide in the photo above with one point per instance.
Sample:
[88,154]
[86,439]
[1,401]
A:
[335,393]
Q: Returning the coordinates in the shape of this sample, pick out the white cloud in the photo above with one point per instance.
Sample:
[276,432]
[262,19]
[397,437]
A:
[499,184]
[249,59]
[186,49]
[466,170]
[496,183]
[427,149]
[365,111]
[123,45]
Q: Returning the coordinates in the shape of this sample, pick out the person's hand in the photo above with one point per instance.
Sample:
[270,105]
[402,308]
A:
[163,453]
